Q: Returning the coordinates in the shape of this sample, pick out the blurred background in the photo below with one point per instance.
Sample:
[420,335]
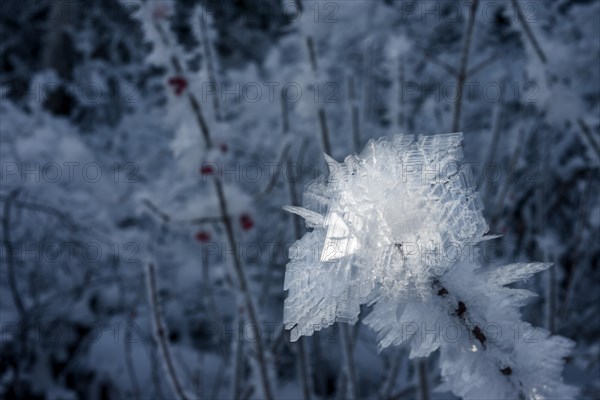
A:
[170,134]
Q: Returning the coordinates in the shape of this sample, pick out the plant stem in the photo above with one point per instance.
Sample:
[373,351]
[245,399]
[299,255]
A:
[462,72]
[161,335]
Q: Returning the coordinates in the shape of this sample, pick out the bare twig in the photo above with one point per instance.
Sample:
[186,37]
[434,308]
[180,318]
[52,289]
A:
[161,334]
[238,358]
[322,115]
[310,45]
[154,208]
[212,76]
[497,121]
[464,61]
[278,168]
[130,367]
[390,380]
[243,285]
[447,67]
[534,42]
[305,375]
[482,65]
[355,114]
[10,256]
[349,366]
[423,379]
[303,357]
[587,132]
[495,212]
[324,131]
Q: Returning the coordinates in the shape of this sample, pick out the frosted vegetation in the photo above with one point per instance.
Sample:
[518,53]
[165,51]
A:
[170,226]
[394,227]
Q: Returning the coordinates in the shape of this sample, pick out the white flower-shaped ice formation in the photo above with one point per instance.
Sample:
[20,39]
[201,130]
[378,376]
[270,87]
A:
[394,227]
[385,222]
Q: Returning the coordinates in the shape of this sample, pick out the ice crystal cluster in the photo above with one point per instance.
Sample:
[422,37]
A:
[395,227]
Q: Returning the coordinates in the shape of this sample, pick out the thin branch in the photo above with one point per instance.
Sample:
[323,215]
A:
[392,376]
[131,368]
[310,45]
[212,76]
[166,218]
[273,178]
[156,210]
[462,313]
[243,285]
[529,33]
[349,365]
[495,212]
[497,122]
[238,358]
[324,131]
[587,132]
[355,114]
[10,256]
[464,61]
[449,69]
[305,375]
[322,115]
[482,65]
[232,243]
[423,379]
[161,334]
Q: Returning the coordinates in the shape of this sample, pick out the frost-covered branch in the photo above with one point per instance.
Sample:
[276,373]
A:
[157,33]
[395,227]
[160,334]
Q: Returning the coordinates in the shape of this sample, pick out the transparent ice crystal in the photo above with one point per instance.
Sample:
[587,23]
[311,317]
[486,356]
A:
[384,222]
[394,227]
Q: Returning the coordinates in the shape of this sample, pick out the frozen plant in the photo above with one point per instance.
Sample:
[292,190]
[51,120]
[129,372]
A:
[395,227]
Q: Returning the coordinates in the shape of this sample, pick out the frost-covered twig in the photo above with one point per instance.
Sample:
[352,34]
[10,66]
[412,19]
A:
[242,281]
[395,227]
[160,334]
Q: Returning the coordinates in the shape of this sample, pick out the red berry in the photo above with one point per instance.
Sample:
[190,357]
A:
[207,170]
[246,222]
[160,12]
[179,84]
[202,237]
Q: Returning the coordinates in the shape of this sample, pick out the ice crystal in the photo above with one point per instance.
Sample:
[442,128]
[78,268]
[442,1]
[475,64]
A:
[395,227]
